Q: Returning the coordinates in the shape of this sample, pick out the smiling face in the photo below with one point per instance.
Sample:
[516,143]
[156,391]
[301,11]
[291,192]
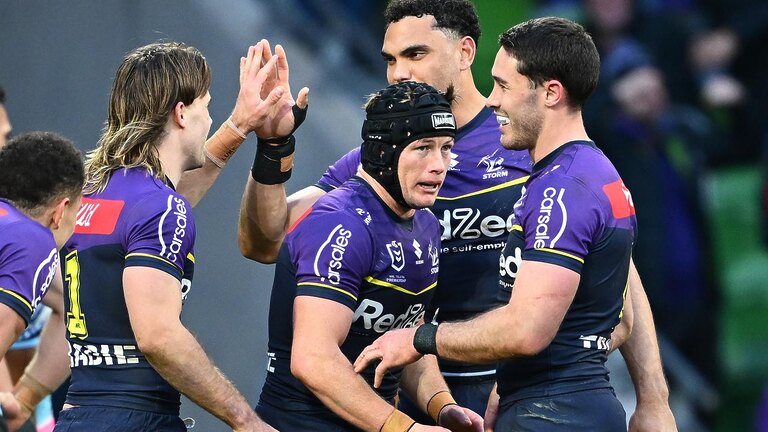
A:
[515,100]
[421,170]
[415,51]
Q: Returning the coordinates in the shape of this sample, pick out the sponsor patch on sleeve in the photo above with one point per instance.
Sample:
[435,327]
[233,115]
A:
[98,216]
[620,199]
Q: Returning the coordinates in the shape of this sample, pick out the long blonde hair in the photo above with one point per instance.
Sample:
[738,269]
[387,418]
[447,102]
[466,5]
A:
[148,84]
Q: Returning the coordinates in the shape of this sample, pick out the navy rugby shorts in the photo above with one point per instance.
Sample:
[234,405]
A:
[110,419]
[590,410]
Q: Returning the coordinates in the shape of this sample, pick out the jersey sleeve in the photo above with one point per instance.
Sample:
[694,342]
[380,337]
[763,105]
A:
[28,265]
[563,219]
[341,171]
[161,234]
[332,254]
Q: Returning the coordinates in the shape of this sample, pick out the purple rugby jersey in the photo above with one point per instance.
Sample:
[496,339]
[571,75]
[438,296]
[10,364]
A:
[138,220]
[28,260]
[474,207]
[352,249]
[575,212]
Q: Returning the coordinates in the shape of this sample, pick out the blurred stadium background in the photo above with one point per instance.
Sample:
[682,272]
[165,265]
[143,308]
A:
[57,61]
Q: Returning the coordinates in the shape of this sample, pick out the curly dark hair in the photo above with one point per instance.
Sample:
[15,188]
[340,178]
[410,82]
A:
[37,168]
[2,95]
[458,16]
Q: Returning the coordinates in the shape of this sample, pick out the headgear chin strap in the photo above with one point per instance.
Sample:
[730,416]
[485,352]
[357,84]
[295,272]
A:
[395,117]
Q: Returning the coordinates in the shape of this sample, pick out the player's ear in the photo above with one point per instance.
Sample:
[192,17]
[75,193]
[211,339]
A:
[467,49]
[57,212]
[177,114]
[554,92]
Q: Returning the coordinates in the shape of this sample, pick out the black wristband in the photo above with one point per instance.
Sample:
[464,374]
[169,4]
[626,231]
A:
[425,339]
[274,161]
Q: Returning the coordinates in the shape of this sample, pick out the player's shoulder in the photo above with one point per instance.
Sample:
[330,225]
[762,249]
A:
[577,162]
[21,232]
[145,195]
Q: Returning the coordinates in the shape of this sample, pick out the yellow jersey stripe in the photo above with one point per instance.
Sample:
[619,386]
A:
[490,189]
[561,253]
[20,298]
[396,287]
[151,256]
[326,286]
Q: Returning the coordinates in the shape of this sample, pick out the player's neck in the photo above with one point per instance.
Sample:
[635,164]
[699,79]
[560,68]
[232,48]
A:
[170,160]
[467,104]
[558,129]
[378,189]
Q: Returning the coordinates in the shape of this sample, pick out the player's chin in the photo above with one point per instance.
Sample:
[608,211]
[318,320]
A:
[423,200]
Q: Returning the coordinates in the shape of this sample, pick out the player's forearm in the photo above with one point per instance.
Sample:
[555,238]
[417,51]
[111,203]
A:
[623,331]
[331,378]
[422,380]
[180,359]
[489,337]
[195,183]
[641,350]
[50,365]
[218,149]
[263,220]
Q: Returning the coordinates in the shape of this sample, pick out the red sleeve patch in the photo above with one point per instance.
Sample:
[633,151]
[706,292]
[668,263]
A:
[3,212]
[98,216]
[620,199]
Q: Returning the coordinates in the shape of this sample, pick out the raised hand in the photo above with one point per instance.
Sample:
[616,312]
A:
[265,104]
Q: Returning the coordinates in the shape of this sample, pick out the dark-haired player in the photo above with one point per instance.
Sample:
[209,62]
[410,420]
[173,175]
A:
[41,178]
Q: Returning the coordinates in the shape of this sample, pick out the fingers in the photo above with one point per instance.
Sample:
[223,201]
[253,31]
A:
[282,63]
[253,61]
[242,70]
[263,73]
[365,358]
[381,369]
[266,53]
[302,100]
[275,95]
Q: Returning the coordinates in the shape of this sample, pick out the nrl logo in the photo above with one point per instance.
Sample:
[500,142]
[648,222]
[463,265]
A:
[395,249]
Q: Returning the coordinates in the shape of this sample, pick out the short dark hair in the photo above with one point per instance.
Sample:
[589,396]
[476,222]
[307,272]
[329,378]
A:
[555,48]
[37,168]
[458,16]
[2,95]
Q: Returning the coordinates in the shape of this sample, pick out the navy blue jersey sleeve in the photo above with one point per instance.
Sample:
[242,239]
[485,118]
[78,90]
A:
[161,234]
[332,253]
[341,171]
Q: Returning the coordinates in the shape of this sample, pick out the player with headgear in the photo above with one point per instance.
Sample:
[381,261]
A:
[364,260]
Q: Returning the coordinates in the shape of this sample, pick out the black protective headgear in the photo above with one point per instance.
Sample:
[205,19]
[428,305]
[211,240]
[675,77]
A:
[395,117]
